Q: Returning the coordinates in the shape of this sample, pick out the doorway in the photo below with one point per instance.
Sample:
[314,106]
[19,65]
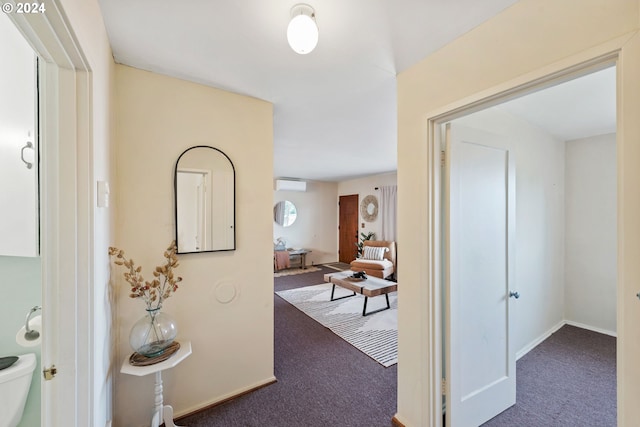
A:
[66,234]
[542,232]
[192,221]
[348,228]
[20,263]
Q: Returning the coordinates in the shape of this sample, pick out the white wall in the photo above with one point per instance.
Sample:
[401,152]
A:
[591,253]
[539,252]
[536,38]
[158,117]
[316,225]
[21,290]
[363,187]
[18,184]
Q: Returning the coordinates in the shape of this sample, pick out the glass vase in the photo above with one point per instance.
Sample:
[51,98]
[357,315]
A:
[152,334]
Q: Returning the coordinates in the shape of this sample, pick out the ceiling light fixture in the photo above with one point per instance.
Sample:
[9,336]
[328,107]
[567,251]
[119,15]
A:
[302,32]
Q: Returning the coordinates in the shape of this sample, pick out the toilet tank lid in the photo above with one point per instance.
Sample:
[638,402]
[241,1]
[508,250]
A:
[24,366]
[7,361]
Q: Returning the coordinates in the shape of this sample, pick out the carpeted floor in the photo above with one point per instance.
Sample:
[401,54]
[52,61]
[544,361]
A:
[339,266]
[295,271]
[322,379]
[567,381]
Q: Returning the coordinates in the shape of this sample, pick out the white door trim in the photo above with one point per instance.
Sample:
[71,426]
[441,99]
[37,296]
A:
[586,62]
[66,215]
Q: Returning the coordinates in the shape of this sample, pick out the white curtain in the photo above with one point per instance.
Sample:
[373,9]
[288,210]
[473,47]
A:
[278,213]
[388,208]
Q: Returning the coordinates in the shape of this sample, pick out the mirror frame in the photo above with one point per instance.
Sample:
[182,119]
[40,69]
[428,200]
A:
[175,200]
[364,211]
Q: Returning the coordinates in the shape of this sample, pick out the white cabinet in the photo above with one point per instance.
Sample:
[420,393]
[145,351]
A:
[18,145]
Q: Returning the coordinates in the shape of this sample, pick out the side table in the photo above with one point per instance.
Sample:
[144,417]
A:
[162,412]
[302,253]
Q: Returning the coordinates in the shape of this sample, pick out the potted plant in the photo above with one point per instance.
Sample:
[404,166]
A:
[363,237]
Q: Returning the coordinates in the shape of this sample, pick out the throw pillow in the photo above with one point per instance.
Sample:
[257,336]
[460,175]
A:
[374,253]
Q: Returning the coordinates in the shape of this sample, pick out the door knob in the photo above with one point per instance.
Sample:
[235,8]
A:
[513,294]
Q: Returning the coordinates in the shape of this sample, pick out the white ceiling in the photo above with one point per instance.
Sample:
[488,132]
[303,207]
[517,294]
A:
[572,110]
[335,108]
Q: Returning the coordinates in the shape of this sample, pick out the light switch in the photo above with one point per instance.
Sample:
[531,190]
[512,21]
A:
[103,194]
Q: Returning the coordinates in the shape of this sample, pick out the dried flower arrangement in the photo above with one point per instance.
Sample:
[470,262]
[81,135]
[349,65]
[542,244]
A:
[161,287]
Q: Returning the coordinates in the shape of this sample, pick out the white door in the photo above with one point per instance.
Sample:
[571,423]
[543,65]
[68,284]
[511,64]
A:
[18,145]
[222,230]
[481,375]
[192,211]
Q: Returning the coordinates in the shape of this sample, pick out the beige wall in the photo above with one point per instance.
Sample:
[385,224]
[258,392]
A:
[157,119]
[363,187]
[315,225]
[530,39]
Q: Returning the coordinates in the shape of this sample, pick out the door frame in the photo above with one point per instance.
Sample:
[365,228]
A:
[590,61]
[66,216]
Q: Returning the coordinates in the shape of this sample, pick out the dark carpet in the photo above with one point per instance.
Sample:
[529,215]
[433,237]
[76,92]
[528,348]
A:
[322,379]
[567,381]
[339,266]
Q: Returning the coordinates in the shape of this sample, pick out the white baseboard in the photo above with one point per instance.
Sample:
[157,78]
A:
[398,421]
[591,328]
[533,344]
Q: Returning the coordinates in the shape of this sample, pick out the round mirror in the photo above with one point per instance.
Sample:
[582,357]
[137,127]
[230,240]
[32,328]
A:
[285,213]
[369,208]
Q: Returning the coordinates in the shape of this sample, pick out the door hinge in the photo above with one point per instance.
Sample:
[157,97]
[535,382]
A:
[442,158]
[50,373]
[444,386]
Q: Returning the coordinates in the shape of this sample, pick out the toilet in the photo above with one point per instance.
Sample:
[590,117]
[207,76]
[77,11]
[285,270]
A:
[15,382]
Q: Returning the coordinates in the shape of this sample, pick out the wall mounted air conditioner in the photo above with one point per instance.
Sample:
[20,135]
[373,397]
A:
[290,185]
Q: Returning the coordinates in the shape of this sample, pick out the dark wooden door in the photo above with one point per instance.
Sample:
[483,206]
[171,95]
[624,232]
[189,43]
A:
[348,227]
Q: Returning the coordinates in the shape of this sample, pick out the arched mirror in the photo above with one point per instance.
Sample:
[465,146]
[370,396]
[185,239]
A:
[204,185]
[285,213]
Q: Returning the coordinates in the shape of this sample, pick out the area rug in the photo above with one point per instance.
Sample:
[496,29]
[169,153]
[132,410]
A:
[293,271]
[376,335]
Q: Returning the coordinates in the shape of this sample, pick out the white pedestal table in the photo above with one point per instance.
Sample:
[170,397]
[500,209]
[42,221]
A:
[162,412]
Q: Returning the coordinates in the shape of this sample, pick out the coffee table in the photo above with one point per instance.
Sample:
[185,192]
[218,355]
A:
[371,287]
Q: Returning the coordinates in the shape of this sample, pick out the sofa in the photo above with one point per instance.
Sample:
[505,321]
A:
[372,263]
